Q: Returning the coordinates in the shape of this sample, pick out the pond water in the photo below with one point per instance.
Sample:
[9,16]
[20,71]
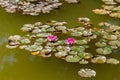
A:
[20,65]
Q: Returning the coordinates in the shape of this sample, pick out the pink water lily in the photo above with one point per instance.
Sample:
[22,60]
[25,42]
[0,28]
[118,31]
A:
[52,38]
[70,41]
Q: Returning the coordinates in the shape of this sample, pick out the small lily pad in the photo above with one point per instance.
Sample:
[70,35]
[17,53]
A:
[71,58]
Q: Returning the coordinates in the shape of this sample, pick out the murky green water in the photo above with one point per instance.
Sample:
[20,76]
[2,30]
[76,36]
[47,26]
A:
[20,65]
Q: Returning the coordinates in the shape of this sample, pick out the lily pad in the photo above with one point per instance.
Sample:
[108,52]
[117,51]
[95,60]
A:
[86,73]
[71,58]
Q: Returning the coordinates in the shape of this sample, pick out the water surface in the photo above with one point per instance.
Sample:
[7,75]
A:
[20,65]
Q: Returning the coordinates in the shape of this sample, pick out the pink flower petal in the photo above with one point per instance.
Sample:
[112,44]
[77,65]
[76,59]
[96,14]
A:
[52,38]
[70,41]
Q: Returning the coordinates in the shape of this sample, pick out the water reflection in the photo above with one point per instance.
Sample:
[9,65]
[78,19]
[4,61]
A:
[7,60]
[3,39]
[31,58]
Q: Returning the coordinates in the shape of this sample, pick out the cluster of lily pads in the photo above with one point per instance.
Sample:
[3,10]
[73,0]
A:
[32,7]
[46,39]
[111,8]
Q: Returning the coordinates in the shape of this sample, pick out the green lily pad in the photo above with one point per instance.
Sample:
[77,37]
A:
[71,58]
[105,51]
[96,33]
[88,56]
[100,44]
[81,42]
[78,48]
[72,52]
[82,54]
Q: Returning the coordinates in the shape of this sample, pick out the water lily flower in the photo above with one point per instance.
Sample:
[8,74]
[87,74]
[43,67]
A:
[52,38]
[70,41]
